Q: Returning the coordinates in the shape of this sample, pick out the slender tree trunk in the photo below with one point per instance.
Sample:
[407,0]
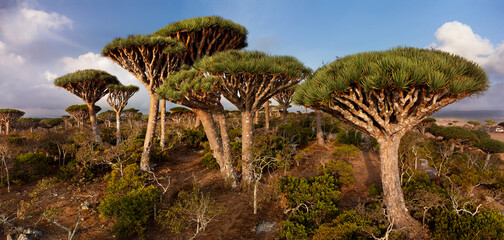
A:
[487,160]
[149,135]
[213,136]
[6,172]
[163,123]
[285,113]
[227,167]
[320,134]
[130,121]
[1,128]
[118,127]
[256,117]
[197,123]
[305,109]
[94,124]
[392,191]
[247,143]
[266,115]
[7,128]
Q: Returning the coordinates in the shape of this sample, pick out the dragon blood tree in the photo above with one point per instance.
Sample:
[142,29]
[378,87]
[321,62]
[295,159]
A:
[118,99]
[248,80]
[204,36]
[385,94]
[194,90]
[8,116]
[130,114]
[80,113]
[150,59]
[107,117]
[90,85]
[284,99]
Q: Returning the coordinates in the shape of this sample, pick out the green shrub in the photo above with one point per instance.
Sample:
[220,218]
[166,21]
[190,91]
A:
[342,171]
[128,201]
[15,139]
[76,171]
[375,190]
[350,137]
[346,151]
[30,166]
[209,161]
[295,132]
[193,138]
[348,225]
[446,224]
[311,202]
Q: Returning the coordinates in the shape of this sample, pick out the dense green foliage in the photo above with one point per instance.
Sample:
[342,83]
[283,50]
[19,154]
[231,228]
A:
[200,23]
[10,110]
[31,166]
[179,84]
[490,145]
[120,87]
[252,62]
[167,45]
[87,75]
[399,68]
[81,108]
[128,201]
[446,224]
[310,202]
[350,137]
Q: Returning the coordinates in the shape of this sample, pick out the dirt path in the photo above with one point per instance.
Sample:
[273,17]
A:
[366,172]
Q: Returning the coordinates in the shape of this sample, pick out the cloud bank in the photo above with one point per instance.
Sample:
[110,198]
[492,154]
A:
[460,39]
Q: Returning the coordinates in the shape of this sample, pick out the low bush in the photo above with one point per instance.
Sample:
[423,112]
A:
[128,201]
[350,137]
[342,171]
[446,224]
[309,202]
[209,161]
[346,151]
[30,166]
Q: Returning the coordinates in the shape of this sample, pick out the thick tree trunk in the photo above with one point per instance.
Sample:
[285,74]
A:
[149,135]
[94,124]
[266,115]
[118,127]
[163,123]
[7,128]
[227,167]
[392,191]
[285,113]
[247,143]
[320,134]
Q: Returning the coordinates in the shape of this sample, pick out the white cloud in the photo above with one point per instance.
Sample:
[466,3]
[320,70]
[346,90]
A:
[92,60]
[50,76]
[459,38]
[7,58]
[24,25]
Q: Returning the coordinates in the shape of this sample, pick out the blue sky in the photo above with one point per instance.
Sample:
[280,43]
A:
[43,39]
